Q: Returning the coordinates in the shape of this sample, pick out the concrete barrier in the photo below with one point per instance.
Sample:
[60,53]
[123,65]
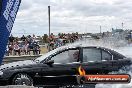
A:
[9,59]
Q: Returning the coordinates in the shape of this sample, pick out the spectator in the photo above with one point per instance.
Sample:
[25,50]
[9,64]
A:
[29,39]
[20,44]
[26,49]
[16,49]
[11,39]
[36,48]
[51,42]
[33,38]
[7,50]
[11,48]
[23,38]
[58,42]
[30,47]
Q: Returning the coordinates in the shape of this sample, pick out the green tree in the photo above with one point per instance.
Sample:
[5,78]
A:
[45,38]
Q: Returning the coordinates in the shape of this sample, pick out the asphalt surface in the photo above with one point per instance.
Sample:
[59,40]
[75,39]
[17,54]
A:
[80,86]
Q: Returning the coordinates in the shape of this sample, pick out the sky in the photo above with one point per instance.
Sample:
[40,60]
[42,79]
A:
[69,16]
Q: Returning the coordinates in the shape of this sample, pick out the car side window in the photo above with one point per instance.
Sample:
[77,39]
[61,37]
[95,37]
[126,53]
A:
[106,55]
[91,54]
[68,56]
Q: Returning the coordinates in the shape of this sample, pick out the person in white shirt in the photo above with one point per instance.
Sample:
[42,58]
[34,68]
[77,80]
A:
[26,47]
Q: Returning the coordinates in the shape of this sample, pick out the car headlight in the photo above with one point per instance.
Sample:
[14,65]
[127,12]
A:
[1,73]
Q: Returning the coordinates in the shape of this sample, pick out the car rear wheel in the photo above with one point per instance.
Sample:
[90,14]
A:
[22,79]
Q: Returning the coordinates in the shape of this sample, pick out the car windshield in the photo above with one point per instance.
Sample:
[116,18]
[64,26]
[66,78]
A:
[39,59]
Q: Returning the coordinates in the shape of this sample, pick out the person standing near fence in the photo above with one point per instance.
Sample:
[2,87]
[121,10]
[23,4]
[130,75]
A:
[26,49]
[16,49]
[51,42]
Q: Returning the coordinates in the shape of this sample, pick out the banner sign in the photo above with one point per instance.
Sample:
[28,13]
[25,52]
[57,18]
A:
[104,78]
[109,78]
[8,12]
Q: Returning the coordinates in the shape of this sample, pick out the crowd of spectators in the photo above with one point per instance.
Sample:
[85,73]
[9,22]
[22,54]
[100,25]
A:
[27,45]
[23,45]
[61,39]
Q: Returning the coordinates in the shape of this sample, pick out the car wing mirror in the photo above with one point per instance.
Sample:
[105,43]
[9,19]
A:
[49,62]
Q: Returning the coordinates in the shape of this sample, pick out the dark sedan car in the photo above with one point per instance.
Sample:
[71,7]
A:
[60,66]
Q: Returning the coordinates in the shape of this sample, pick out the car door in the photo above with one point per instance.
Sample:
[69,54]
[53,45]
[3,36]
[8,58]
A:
[97,60]
[107,63]
[65,64]
[91,60]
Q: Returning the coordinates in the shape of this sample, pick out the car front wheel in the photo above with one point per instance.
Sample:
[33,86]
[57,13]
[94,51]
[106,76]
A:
[22,79]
